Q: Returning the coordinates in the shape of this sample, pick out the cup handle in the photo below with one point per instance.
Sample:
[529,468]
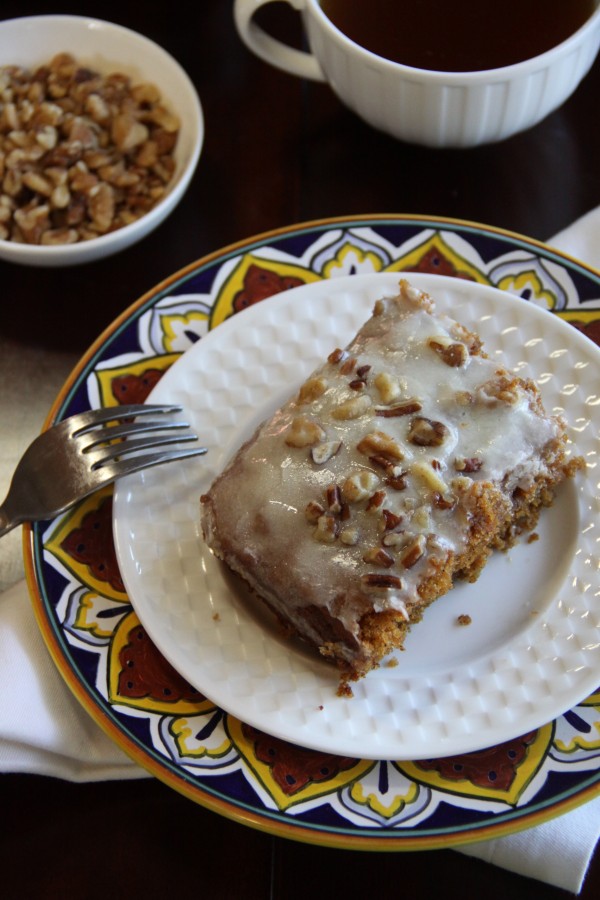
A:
[275,52]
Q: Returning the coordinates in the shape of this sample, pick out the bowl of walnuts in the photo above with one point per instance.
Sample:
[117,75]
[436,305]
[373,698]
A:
[100,134]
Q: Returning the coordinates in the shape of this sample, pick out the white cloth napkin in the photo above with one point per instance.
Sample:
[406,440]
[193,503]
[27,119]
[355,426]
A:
[581,239]
[557,852]
[68,744]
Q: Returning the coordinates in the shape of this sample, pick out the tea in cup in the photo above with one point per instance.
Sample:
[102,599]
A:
[439,74]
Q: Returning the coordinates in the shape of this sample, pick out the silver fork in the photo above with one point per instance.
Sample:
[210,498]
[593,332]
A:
[84,453]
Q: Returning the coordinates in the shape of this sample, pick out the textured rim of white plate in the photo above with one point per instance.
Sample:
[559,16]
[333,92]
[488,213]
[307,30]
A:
[533,648]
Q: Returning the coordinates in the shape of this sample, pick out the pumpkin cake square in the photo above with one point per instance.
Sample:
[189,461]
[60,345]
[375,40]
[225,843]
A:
[398,467]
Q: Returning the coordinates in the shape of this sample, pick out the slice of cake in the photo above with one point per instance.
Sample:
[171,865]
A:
[399,466]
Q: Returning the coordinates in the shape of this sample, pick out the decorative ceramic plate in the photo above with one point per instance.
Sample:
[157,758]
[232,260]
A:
[183,737]
[532,650]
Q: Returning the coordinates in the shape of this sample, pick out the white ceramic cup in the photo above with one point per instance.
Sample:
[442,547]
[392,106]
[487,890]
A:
[433,108]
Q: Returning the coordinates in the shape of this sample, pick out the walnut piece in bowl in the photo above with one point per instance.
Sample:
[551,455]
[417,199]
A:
[100,134]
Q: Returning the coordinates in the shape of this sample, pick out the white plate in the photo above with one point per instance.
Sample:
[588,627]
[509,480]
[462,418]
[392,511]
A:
[532,650]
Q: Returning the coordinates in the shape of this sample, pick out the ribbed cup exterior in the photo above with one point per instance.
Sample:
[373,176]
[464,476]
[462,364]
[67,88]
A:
[450,109]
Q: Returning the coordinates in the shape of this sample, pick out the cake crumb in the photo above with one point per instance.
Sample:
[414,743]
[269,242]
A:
[391,663]
[464,619]
[534,536]
[344,690]
[216,617]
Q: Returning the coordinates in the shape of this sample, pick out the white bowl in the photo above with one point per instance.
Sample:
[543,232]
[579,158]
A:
[422,106]
[105,48]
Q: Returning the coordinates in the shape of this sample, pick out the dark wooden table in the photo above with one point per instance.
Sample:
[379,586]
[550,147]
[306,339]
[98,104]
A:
[277,151]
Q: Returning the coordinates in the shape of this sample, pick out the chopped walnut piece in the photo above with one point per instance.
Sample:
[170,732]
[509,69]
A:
[401,409]
[387,386]
[353,408]
[334,498]
[441,501]
[504,390]
[460,484]
[101,206]
[421,517]
[378,443]
[313,511]
[453,353]
[468,464]
[46,136]
[349,536]
[360,382]
[56,236]
[164,119]
[37,183]
[145,93]
[127,132]
[426,433]
[60,198]
[304,432]
[322,453]
[12,184]
[32,222]
[416,297]
[326,530]
[391,520]
[413,551]
[97,108]
[470,339]
[85,132]
[380,581]
[395,476]
[312,390]
[397,481]
[147,155]
[81,180]
[381,461]
[376,501]
[432,480]
[360,486]
[394,539]
[336,356]
[348,365]
[377,556]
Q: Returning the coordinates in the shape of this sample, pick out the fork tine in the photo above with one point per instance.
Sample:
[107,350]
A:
[92,437]
[54,472]
[90,418]
[104,454]
[121,467]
